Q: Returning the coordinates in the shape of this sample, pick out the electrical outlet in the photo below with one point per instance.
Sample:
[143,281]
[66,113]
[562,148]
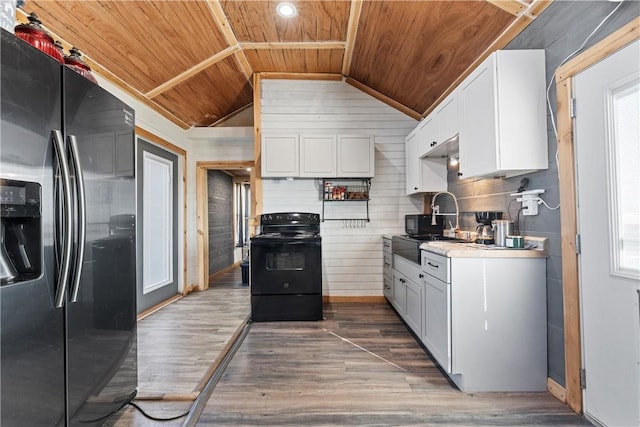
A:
[529,200]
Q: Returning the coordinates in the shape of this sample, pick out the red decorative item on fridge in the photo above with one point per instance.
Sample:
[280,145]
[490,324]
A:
[35,35]
[74,61]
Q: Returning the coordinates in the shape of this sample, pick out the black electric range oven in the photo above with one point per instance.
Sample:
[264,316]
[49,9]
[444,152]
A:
[285,267]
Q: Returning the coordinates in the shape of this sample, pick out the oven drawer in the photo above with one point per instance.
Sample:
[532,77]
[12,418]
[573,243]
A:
[436,265]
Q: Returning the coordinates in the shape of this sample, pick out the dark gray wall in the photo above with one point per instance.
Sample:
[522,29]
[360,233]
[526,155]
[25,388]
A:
[560,30]
[220,211]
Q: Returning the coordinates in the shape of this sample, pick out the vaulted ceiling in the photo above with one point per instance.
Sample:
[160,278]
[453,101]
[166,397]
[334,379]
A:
[193,61]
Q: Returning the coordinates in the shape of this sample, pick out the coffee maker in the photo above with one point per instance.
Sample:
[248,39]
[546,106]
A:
[20,231]
[484,230]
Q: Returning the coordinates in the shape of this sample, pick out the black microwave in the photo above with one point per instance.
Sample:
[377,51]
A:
[421,224]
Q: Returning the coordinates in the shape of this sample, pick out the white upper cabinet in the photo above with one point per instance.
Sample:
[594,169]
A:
[412,162]
[280,156]
[448,118]
[423,174]
[356,156]
[427,135]
[502,116]
[318,156]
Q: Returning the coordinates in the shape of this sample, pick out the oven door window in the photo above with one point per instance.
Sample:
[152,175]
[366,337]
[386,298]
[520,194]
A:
[285,261]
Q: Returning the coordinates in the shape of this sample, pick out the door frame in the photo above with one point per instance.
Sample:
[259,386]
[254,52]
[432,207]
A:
[181,153]
[572,394]
[202,217]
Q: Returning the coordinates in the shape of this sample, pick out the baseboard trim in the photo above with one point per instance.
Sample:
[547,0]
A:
[353,299]
[224,270]
[157,307]
[557,390]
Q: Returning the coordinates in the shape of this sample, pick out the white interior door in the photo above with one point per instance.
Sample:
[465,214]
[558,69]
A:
[607,130]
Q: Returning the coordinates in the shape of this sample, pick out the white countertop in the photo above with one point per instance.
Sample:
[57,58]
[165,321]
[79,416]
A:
[534,248]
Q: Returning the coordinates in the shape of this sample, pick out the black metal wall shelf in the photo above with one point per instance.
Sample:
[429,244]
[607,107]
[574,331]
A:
[346,190]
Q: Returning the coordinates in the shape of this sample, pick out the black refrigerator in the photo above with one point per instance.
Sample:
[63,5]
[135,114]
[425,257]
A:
[67,245]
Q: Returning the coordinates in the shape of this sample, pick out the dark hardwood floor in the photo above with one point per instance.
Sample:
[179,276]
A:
[359,366]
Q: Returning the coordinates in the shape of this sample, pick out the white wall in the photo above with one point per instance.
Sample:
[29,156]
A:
[201,145]
[352,257]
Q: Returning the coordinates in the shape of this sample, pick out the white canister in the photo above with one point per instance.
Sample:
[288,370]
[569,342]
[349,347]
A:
[501,229]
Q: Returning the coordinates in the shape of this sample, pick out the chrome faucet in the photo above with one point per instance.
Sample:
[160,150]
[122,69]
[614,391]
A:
[435,209]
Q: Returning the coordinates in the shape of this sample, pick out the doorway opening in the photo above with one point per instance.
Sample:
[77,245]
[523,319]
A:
[235,178]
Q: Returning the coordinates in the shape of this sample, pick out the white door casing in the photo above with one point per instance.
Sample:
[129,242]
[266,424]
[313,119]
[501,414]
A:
[158,222]
[607,171]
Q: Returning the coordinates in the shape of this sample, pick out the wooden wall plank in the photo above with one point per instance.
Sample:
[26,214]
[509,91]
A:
[256,172]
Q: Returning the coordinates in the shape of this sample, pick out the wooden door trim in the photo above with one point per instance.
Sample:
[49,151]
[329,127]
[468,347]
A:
[202,218]
[568,196]
[155,139]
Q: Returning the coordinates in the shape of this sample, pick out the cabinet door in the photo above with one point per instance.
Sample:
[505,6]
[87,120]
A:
[437,331]
[280,156]
[478,121]
[318,156]
[412,163]
[414,304]
[356,156]
[399,293]
[427,135]
[448,118]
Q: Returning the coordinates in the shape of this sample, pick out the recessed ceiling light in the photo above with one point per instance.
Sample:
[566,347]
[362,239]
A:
[286,10]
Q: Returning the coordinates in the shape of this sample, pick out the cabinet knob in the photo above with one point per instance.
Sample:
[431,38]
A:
[421,275]
[415,188]
[434,143]
[459,173]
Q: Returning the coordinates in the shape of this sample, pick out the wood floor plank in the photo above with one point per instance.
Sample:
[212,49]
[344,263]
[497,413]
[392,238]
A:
[360,366]
[357,367]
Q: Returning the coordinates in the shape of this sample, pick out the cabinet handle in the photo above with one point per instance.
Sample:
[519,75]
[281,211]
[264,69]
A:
[421,275]
[432,265]
[459,173]
[434,143]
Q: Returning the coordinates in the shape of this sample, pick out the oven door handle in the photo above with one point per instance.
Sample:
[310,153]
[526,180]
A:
[275,244]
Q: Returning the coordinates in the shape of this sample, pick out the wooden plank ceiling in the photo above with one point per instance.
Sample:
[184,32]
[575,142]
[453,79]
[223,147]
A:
[193,60]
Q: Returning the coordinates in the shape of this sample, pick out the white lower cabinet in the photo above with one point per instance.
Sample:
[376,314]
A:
[485,321]
[413,314]
[408,289]
[437,327]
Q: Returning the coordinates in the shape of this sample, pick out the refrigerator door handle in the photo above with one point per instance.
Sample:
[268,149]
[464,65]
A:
[82,217]
[63,272]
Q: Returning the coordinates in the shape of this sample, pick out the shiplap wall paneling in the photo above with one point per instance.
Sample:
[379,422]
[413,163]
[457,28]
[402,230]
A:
[351,255]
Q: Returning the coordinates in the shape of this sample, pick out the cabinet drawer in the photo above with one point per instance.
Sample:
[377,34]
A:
[436,265]
[386,246]
[387,262]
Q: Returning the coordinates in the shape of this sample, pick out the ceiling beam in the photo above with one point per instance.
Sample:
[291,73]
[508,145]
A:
[223,24]
[520,23]
[300,76]
[192,71]
[352,31]
[294,45]
[384,98]
[514,7]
